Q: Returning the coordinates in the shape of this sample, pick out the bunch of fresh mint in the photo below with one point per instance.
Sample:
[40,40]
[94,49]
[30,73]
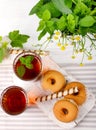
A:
[68,16]
[14,39]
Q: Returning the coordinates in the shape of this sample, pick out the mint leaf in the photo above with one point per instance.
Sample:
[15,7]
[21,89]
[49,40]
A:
[21,71]
[62,6]
[42,34]
[81,9]
[29,59]
[87,21]
[48,6]
[1,54]
[61,23]
[17,39]
[71,23]
[50,26]
[22,60]
[29,66]
[41,25]
[68,3]
[36,8]
[13,35]
[46,15]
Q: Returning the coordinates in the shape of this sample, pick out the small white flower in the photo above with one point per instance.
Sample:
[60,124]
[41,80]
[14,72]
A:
[55,38]
[75,38]
[58,33]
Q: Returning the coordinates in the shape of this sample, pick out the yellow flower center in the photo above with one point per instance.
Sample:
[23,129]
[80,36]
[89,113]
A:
[62,48]
[77,38]
[57,33]
[90,57]
[59,44]
[56,38]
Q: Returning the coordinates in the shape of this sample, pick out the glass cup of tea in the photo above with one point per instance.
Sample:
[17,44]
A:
[14,100]
[27,65]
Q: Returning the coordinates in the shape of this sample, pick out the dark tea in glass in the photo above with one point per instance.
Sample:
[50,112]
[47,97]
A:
[27,65]
[13,100]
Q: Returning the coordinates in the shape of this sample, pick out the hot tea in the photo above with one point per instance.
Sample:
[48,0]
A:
[27,65]
[13,100]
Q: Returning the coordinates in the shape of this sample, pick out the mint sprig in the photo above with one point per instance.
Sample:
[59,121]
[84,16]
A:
[69,16]
[27,61]
[17,39]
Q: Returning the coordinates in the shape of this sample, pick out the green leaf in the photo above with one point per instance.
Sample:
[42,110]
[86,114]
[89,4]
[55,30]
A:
[29,59]
[1,54]
[17,39]
[13,35]
[42,34]
[92,29]
[62,6]
[49,6]
[68,3]
[61,23]
[87,21]
[41,25]
[36,8]
[50,27]
[83,31]
[46,1]
[29,66]
[49,23]
[46,15]
[22,60]
[71,23]
[21,71]
[81,9]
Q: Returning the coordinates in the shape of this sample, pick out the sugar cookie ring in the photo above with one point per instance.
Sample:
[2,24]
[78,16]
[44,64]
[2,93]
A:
[65,110]
[53,81]
[78,97]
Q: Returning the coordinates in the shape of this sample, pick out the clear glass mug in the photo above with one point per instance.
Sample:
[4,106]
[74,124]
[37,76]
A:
[14,100]
[27,65]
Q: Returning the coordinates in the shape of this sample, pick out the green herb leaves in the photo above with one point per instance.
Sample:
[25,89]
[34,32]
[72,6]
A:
[17,39]
[68,16]
[62,6]
[25,62]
